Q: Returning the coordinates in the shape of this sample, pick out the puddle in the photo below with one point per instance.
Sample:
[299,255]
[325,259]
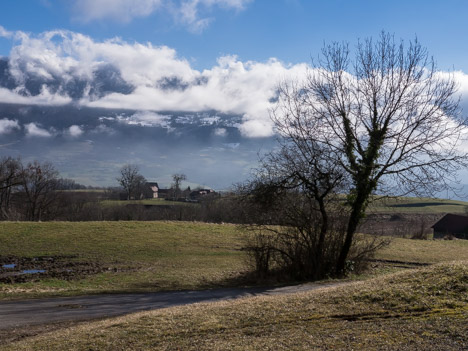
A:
[14,269]
[32,271]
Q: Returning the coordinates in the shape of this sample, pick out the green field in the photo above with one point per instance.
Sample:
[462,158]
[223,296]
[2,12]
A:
[420,309]
[380,205]
[153,202]
[137,256]
[153,256]
[417,205]
[390,307]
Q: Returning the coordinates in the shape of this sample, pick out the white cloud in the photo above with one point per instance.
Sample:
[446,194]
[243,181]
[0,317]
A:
[256,128]
[146,119]
[4,33]
[33,130]
[7,125]
[222,132]
[121,10]
[161,80]
[231,86]
[44,98]
[75,131]
[186,12]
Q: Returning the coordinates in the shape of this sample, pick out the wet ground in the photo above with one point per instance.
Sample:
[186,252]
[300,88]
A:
[14,269]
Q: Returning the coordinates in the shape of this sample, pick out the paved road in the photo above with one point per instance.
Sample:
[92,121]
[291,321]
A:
[15,314]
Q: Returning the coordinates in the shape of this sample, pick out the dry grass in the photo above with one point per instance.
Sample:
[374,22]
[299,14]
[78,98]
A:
[142,256]
[421,309]
[425,251]
[154,256]
[417,205]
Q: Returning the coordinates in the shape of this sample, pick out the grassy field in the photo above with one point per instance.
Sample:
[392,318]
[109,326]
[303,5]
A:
[136,256]
[417,205]
[153,256]
[383,205]
[420,309]
[153,202]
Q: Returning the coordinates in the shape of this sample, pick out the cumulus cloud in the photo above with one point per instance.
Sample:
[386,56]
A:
[75,131]
[160,79]
[34,130]
[186,12]
[147,78]
[7,125]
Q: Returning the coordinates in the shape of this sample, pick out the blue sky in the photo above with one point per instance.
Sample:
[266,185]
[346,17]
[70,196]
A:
[180,85]
[290,30]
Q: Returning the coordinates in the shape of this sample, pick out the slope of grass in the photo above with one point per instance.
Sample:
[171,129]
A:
[417,205]
[141,256]
[424,251]
[421,309]
[154,256]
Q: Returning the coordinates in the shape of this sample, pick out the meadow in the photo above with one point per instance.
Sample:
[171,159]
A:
[101,257]
[131,256]
[415,205]
[414,295]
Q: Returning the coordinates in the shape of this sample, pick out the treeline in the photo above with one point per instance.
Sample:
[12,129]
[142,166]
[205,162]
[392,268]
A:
[34,191]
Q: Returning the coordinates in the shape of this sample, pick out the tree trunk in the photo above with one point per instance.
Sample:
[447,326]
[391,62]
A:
[353,222]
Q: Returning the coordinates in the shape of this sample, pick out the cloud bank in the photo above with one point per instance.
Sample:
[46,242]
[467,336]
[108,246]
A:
[58,68]
[63,67]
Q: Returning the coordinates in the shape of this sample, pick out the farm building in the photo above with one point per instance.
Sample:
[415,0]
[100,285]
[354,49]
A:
[157,191]
[451,224]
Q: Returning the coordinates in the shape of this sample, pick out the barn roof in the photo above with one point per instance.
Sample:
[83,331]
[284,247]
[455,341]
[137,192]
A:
[452,223]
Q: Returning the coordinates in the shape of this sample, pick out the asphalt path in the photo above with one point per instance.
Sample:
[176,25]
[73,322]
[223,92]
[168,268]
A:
[18,314]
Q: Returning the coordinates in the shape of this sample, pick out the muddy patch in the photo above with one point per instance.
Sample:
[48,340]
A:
[15,269]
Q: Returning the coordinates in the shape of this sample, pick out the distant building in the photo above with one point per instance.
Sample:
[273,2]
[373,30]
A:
[154,188]
[197,194]
[451,224]
[157,191]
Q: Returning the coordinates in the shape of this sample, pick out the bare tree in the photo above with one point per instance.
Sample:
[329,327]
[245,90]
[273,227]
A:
[386,118]
[39,184]
[10,179]
[132,181]
[178,178]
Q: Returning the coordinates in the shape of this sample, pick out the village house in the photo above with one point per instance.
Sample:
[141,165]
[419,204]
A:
[158,193]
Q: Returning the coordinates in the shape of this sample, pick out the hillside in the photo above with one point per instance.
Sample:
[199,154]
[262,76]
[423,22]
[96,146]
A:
[420,309]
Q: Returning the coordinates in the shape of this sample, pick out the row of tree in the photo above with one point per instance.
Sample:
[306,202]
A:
[27,191]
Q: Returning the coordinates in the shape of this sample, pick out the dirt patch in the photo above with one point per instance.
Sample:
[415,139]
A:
[15,269]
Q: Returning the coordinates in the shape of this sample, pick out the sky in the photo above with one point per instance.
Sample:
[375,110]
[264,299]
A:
[180,85]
